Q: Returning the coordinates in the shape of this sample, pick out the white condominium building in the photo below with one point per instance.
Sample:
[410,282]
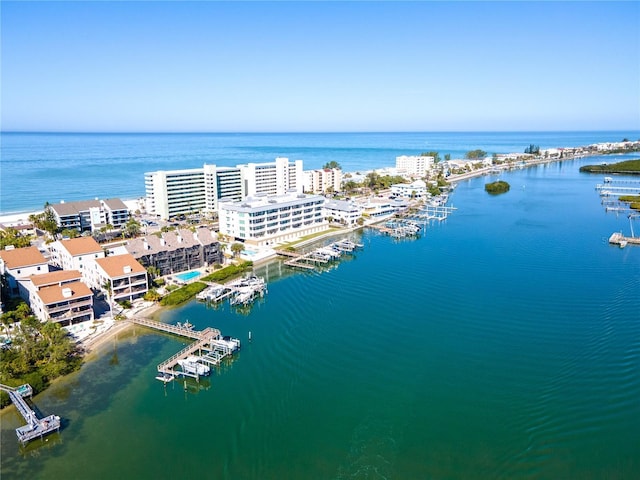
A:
[272,178]
[271,220]
[323,180]
[175,192]
[414,165]
[77,254]
[417,189]
[90,215]
[221,183]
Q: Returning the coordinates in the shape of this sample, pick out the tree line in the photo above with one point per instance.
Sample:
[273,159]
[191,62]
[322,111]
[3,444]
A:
[34,352]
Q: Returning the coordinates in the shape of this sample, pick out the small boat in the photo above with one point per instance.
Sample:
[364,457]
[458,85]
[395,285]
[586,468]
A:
[193,366]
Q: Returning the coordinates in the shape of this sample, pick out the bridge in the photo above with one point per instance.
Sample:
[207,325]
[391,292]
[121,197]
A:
[35,427]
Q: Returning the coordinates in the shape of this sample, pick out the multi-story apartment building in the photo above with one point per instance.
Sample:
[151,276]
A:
[17,264]
[78,254]
[177,251]
[60,296]
[342,211]
[269,220]
[221,183]
[126,277]
[90,215]
[175,192]
[272,178]
[171,193]
[414,165]
[416,189]
[323,180]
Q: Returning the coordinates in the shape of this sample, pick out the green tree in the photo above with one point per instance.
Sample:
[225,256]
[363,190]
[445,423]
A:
[132,228]
[332,164]
[69,233]
[46,220]
[236,248]
[10,236]
[435,155]
[475,154]
[447,156]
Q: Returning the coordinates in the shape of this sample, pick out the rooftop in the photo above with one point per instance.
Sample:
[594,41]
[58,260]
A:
[22,257]
[56,293]
[81,246]
[120,265]
[57,277]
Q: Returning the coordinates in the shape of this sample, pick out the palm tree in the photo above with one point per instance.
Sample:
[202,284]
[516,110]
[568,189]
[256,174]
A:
[236,248]
[108,289]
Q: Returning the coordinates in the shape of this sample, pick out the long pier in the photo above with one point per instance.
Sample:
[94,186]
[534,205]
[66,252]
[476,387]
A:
[209,345]
[35,427]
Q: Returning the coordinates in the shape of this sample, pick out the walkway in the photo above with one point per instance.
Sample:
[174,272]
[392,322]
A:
[35,427]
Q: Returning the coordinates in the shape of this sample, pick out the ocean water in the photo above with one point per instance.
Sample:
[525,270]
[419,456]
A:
[502,344]
[38,167]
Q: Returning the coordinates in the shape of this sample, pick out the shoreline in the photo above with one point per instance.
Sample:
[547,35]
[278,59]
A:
[92,344]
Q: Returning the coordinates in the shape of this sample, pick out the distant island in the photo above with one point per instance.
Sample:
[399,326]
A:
[629,167]
[497,187]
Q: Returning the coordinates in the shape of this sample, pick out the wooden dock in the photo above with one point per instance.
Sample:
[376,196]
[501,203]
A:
[619,239]
[209,346]
[36,427]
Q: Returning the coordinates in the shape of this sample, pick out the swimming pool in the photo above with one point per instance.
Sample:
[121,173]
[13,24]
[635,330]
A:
[186,276]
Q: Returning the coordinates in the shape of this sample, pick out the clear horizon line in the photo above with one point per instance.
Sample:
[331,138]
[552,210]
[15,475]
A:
[284,132]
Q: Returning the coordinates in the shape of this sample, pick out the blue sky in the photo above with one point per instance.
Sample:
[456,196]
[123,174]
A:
[320,66]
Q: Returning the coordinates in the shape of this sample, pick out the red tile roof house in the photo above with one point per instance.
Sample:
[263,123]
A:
[128,279]
[60,297]
[18,264]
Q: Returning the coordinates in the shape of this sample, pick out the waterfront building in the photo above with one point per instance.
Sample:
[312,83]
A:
[18,264]
[342,211]
[177,251]
[272,178]
[126,276]
[175,192]
[221,183]
[414,165]
[60,296]
[78,254]
[270,220]
[380,207]
[323,180]
[90,215]
[416,189]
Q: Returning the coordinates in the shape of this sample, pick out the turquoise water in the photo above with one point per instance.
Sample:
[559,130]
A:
[36,167]
[186,276]
[502,344]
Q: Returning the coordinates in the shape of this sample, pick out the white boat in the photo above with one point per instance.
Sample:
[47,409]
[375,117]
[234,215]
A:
[193,366]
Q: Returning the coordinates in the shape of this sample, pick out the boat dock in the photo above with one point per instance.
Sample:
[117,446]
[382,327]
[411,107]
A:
[210,348]
[35,427]
[239,292]
[608,189]
[319,256]
[619,239]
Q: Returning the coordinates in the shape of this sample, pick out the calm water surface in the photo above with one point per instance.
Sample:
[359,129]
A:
[504,343]
[50,167]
